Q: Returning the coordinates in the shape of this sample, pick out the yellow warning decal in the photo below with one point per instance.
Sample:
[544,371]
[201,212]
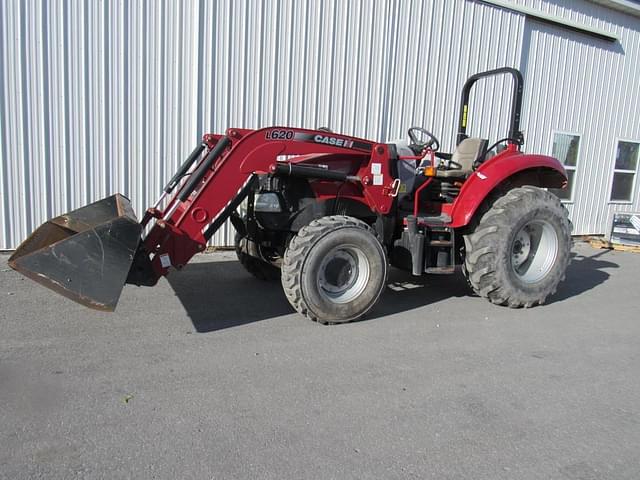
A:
[465,108]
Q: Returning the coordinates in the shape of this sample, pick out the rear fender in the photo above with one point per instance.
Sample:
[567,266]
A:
[507,170]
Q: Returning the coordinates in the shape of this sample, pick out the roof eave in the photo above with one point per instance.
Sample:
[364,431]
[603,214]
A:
[624,6]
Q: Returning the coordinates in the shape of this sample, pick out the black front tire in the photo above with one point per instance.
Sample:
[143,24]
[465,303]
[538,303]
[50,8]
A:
[334,270]
[509,267]
[255,266]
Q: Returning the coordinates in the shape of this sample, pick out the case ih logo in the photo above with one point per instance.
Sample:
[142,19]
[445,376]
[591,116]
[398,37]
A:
[338,142]
[286,134]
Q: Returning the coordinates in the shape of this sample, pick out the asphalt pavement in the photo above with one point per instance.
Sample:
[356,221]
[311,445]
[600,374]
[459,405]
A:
[211,375]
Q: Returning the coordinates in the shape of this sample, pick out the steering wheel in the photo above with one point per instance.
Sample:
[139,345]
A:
[431,142]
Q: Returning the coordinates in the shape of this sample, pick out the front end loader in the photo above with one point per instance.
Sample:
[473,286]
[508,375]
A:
[328,214]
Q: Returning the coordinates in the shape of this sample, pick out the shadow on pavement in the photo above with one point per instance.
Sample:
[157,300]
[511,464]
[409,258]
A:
[221,294]
[583,274]
[405,292]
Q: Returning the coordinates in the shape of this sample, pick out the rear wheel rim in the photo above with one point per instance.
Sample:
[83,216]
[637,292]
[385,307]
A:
[343,274]
[534,251]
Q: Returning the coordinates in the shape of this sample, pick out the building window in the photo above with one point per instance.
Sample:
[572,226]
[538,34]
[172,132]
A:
[624,171]
[565,148]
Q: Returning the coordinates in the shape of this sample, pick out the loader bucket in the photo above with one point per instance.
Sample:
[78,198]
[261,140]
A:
[85,254]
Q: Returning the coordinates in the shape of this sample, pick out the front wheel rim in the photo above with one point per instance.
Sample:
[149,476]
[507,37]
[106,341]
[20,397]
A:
[534,251]
[343,274]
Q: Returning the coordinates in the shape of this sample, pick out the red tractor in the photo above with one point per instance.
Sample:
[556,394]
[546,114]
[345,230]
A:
[329,213]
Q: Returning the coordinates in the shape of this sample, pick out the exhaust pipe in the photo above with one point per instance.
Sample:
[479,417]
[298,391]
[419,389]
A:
[85,254]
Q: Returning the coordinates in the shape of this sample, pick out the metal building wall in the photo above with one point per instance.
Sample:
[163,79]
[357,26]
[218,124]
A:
[104,96]
[583,85]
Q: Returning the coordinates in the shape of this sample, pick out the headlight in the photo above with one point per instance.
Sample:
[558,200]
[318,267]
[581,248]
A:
[268,203]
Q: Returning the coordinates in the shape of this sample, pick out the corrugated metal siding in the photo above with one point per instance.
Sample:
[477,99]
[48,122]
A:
[105,96]
[575,83]
[99,97]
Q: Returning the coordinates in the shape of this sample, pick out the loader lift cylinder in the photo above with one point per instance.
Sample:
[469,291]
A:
[175,180]
[288,169]
[197,175]
[203,168]
[184,168]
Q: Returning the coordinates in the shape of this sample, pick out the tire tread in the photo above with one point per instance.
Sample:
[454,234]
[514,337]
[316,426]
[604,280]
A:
[298,250]
[482,257]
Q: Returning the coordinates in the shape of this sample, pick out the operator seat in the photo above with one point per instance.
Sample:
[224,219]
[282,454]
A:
[466,153]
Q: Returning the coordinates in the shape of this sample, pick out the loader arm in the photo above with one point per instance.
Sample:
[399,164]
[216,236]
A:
[223,176]
[89,254]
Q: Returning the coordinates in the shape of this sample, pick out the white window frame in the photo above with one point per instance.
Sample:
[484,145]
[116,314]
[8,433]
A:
[574,168]
[615,170]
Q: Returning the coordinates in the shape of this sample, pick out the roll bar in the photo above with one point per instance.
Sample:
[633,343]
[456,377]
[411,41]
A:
[516,103]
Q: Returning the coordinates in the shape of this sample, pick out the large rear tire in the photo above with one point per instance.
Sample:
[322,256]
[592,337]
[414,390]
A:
[520,249]
[334,270]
